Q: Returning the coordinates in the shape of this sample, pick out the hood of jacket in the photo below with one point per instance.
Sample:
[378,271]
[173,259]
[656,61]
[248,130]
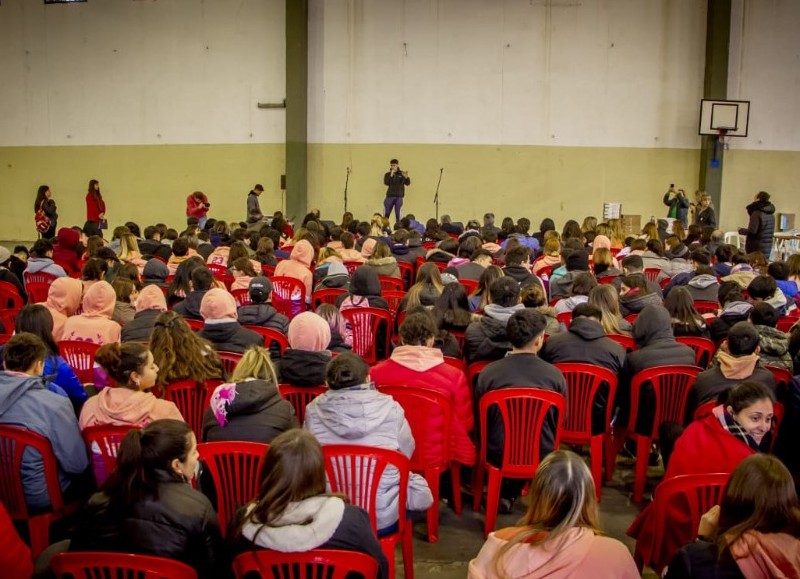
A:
[256,314]
[250,397]
[382,261]
[587,328]
[123,405]
[303,368]
[763,206]
[399,249]
[151,298]
[365,282]
[303,526]
[736,309]
[653,324]
[702,281]
[767,554]
[636,302]
[65,295]
[303,253]
[773,342]
[501,313]
[355,412]
[777,300]
[12,388]
[99,300]
[37,264]
[68,238]
[736,367]
[417,358]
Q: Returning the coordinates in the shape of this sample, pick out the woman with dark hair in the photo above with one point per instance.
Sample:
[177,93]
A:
[45,203]
[753,532]
[182,282]
[479,298]
[432,231]
[506,228]
[426,289]
[292,511]
[36,319]
[95,206]
[686,321]
[635,295]
[148,504]
[571,230]
[451,309]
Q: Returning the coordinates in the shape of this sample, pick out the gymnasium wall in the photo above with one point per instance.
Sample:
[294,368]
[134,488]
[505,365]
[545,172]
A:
[154,99]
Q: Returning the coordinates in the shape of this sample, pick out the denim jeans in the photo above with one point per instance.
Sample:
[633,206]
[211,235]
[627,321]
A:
[388,203]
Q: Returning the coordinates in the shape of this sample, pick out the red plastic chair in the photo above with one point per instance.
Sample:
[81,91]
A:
[630,318]
[314,564]
[192,399]
[782,377]
[706,307]
[300,397]
[703,348]
[288,295]
[242,297]
[473,370]
[523,411]
[229,361]
[694,495]
[234,469]
[9,319]
[270,336]
[406,273]
[429,244]
[422,408]
[217,270]
[90,565]
[196,325]
[80,357]
[664,282]
[356,471]
[786,323]
[583,383]
[9,296]
[326,296]
[458,363]
[626,342]
[652,273]
[106,439]
[267,270]
[460,336]
[469,284]
[671,385]
[13,443]
[352,266]
[393,299]
[564,318]
[389,283]
[365,323]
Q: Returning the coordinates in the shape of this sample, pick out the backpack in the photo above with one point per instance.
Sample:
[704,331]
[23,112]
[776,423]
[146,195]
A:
[43,222]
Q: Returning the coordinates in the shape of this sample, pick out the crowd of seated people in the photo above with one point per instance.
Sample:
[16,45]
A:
[498,304]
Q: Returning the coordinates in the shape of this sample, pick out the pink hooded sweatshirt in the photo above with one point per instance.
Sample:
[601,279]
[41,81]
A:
[578,553]
[94,324]
[63,300]
[766,555]
[122,407]
[298,265]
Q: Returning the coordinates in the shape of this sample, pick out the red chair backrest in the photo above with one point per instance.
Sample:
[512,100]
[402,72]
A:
[106,438]
[393,299]
[456,363]
[406,273]
[9,296]
[423,408]
[80,357]
[473,370]
[89,564]
[706,307]
[631,318]
[522,411]
[389,283]
[469,284]
[267,270]
[356,471]
[191,398]
[13,443]
[626,342]
[242,297]
[652,273]
[428,244]
[299,397]
[352,266]
[782,377]
[313,564]
[217,269]
[288,295]
[365,323]
[234,467]
[703,348]
[786,323]
[9,319]
[196,325]
[326,296]
[583,382]
[229,361]
[671,386]
[270,336]
[564,318]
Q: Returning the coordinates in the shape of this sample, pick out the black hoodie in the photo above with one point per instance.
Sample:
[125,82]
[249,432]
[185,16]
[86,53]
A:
[760,229]
[365,284]
[190,307]
[303,368]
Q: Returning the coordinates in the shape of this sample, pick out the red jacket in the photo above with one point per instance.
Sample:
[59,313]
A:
[704,447]
[15,557]
[196,208]
[94,207]
[64,250]
[425,368]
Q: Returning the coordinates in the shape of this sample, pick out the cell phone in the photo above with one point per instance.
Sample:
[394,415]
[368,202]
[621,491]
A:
[671,185]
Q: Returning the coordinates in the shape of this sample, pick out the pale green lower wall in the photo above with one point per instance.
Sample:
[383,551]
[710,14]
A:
[150,183]
[145,184]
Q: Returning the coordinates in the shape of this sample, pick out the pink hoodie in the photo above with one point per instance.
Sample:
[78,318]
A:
[298,265]
[63,300]
[122,406]
[578,553]
[94,324]
[766,555]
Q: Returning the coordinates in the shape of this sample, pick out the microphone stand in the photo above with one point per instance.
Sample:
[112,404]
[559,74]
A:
[436,196]
[346,182]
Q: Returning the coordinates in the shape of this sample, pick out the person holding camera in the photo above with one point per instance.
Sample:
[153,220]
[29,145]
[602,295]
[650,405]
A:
[396,181]
[197,206]
[678,205]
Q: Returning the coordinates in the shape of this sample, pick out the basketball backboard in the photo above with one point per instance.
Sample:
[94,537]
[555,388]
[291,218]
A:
[726,118]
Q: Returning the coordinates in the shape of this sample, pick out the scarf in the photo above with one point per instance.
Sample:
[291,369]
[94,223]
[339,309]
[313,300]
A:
[734,428]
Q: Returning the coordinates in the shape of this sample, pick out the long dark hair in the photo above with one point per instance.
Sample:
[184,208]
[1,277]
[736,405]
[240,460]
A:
[183,277]
[680,305]
[40,196]
[96,193]
[142,455]
[452,307]
[36,319]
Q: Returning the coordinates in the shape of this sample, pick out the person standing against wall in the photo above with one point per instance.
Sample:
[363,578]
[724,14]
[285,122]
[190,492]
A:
[704,211]
[45,210]
[396,181]
[95,206]
[678,205]
[759,231]
[254,214]
[197,206]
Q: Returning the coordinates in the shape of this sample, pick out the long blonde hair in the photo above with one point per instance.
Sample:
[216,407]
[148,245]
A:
[606,299]
[255,363]
[562,497]
[128,247]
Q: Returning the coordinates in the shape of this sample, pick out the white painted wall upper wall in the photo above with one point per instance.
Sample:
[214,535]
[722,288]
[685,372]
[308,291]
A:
[118,72]
[765,70]
[600,73]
